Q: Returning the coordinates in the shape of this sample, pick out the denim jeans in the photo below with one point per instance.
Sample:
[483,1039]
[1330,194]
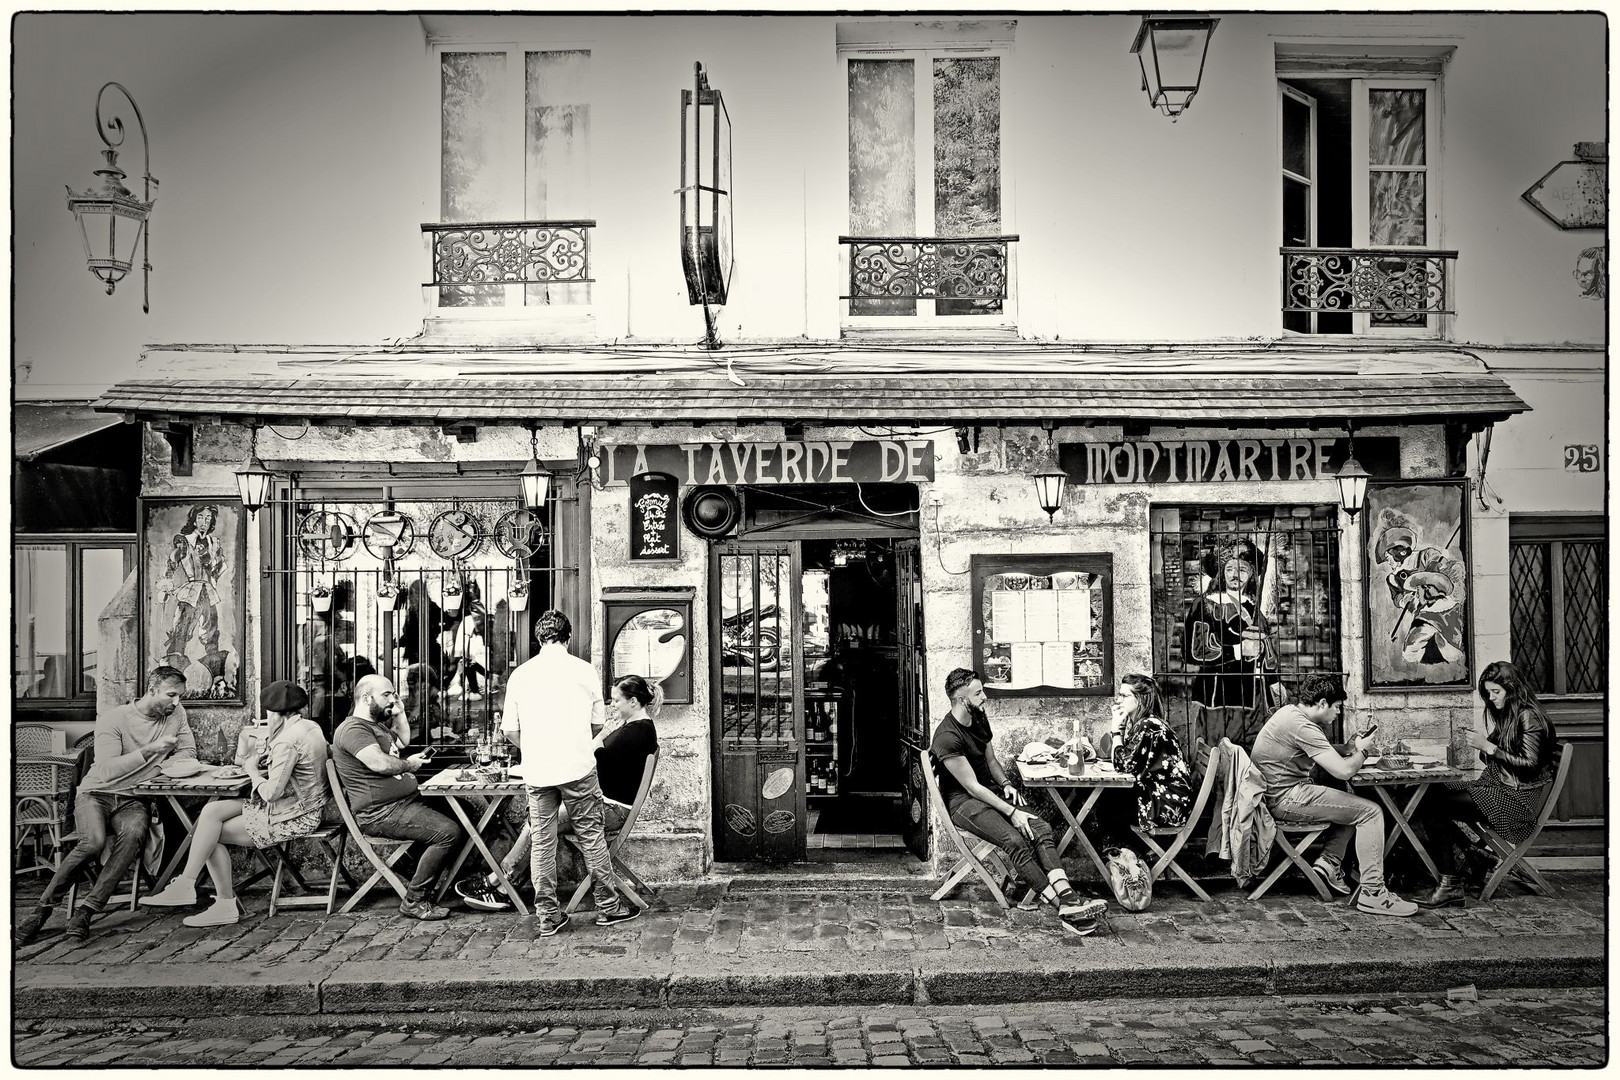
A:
[516,863]
[1351,813]
[412,819]
[1033,859]
[94,814]
[583,798]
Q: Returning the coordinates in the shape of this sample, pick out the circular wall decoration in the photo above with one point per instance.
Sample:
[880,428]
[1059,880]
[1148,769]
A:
[389,534]
[739,819]
[777,783]
[455,534]
[712,512]
[327,535]
[779,821]
[520,533]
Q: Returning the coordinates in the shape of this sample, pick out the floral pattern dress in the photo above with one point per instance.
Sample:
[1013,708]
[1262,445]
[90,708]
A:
[1149,752]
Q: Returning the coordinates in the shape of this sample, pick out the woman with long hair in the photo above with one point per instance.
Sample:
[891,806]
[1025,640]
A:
[1147,749]
[1520,750]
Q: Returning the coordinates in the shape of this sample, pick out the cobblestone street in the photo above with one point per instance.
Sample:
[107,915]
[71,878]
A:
[1513,1028]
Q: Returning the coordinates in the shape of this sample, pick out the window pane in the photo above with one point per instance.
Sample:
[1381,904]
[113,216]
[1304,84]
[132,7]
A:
[1399,212]
[1296,137]
[1529,595]
[967,147]
[556,153]
[101,572]
[1586,639]
[1395,127]
[471,153]
[882,160]
[39,659]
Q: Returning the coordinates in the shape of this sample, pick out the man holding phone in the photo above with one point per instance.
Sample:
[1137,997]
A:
[381,787]
[1291,743]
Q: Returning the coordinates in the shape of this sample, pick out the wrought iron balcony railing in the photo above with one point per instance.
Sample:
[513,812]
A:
[927,267]
[1393,283]
[511,252]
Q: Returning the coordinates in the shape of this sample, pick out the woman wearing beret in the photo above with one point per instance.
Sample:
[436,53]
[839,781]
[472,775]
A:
[284,803]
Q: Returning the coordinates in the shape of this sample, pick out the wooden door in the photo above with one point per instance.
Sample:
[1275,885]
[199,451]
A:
[913,705]
[758,709]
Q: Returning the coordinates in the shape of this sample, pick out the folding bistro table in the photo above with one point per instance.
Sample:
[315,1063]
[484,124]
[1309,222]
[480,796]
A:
[1066,791]
[447,783]
[1419,777]
[205,786]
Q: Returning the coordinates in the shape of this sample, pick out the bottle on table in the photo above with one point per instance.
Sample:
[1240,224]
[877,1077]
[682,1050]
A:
[1077,755]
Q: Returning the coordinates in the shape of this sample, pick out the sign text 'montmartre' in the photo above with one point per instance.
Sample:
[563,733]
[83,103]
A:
[1192,461]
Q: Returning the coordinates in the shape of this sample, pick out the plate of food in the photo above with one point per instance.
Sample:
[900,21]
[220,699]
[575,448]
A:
[230,772]
[180,768]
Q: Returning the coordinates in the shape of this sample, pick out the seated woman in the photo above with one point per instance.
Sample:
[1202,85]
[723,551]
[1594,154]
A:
[1147,749]
[283,804]
[1520,752]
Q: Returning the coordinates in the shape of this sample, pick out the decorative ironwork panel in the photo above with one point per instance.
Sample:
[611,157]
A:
[927,267]
[1380,282]
[1586,639]
[1530,601]
[511,252]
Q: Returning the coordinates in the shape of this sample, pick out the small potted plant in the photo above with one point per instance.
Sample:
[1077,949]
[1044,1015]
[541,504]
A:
[320,598]
[452,598]
[519,597]
[390,596]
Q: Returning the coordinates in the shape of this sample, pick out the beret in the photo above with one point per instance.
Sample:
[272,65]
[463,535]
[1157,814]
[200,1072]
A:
[283,696]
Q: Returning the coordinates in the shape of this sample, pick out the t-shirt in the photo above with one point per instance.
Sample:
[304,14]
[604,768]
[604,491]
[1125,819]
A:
[971,741]
[552,699]
[1285,748]
[622,758]
[369,793]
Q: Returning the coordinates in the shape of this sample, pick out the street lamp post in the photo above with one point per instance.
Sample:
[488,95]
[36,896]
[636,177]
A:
[112,221]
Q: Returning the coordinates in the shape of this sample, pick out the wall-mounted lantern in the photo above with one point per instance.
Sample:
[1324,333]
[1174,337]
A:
[1171,50]
[253,482]
[1051,481]
[705,193]
[112,221]
[534,480]
[1352,481]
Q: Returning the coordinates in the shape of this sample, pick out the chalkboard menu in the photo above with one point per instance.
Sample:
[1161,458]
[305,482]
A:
[1043,624]
[654,523]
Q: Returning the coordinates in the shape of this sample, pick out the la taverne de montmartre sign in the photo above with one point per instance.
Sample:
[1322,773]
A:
[832,461]
[1194,461]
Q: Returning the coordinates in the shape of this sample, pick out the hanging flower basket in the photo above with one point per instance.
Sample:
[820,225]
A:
[320,599]
[519,599]
[452,598]
[391,597]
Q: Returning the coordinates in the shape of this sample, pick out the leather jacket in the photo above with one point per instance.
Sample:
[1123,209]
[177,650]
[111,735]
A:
[1529,757]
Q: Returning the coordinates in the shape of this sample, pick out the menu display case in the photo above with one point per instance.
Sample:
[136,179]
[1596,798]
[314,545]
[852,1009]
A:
[1043,624]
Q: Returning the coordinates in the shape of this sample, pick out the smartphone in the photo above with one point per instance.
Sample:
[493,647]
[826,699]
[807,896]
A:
[425,752]
[1369,731]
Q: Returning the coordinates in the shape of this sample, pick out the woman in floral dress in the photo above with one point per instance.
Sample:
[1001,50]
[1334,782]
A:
[1147,749]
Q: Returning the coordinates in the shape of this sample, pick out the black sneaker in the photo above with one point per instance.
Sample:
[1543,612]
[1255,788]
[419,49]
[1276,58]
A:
[553,923]
[1079,924]
[625,913]
[29,925]
[78,927]
[480,895]
[424,910]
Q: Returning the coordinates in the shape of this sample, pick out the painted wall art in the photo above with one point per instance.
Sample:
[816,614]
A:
[193,593]
[1417,585]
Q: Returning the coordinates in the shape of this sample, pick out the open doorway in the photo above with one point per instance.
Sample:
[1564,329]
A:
[854,772]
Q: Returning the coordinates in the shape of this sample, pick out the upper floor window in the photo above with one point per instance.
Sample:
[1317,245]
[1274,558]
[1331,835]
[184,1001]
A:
[926,215]
[1360,189]
[514,156]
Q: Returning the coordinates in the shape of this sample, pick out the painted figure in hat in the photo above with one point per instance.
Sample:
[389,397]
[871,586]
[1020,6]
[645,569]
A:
[190,589]
[1226,637]
[1427,589]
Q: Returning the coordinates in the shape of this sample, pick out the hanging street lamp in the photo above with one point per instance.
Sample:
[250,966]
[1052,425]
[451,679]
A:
[253,482]
[112,221]
[1352,481]
[534,480]
[1171,51]
[1051,481]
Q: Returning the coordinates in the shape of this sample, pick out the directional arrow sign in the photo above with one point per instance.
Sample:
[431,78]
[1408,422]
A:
[1573,194]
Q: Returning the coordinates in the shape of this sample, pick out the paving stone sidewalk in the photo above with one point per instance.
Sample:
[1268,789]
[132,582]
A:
[741,935]
[1514,1028]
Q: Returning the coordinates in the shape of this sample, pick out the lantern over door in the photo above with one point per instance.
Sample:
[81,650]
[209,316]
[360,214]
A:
[705,193]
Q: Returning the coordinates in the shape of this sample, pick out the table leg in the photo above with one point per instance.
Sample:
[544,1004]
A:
[1403,823]
[185,844]
[1074,831]
[476,839]
[490,807]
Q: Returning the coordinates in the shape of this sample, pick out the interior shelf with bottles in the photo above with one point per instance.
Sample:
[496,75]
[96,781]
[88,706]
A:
[822,712]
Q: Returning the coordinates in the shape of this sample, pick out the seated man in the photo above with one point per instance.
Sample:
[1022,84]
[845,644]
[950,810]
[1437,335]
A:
[132,742]
[1284,751]
[622,750]
[381,788]
[981,801]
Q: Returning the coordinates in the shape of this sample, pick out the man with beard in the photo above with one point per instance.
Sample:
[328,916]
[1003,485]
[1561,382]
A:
[381,788]
[132,743]
[981,800]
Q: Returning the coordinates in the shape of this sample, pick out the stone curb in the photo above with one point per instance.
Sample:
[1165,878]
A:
[202,989]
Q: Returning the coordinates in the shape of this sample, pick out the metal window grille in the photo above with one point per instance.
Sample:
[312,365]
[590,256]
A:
[756,675]
[1558,591]
[1216,679]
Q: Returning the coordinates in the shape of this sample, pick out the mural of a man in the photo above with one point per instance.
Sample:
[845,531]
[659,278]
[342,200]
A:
[190,592]
[1226,637]
[1427,589]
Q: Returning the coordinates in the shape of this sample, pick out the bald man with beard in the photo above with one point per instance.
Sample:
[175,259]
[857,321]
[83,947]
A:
[381,788]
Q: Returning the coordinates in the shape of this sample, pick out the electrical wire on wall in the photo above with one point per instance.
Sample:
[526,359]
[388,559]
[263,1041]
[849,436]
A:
[939,546]
[877,513]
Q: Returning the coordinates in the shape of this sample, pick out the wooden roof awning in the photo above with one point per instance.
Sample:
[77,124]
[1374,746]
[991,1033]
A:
[1164,387]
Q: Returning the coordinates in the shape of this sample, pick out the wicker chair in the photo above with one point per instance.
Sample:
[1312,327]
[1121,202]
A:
[42,799]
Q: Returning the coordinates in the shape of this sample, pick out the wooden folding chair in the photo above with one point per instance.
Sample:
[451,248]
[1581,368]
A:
[1513,857]
[331,839]
[1207,759]
[1295,856]
[367,846]
[973,855]
[616,841]
[92,870]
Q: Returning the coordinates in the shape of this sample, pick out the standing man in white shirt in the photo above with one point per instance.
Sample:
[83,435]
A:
[552,699]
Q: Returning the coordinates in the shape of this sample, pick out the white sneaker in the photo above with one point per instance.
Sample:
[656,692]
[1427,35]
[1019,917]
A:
[1384,902]
[177,893]
[219,913]
[1333,874]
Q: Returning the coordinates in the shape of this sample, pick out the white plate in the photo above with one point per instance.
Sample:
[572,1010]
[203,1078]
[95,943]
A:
[230,772]
[515,772]
[180,768]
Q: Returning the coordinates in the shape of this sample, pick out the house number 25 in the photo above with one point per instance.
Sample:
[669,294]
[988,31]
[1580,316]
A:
[1582,457]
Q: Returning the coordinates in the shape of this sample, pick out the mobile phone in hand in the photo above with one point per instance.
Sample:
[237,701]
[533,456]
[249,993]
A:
[425,753]
[1368,732]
